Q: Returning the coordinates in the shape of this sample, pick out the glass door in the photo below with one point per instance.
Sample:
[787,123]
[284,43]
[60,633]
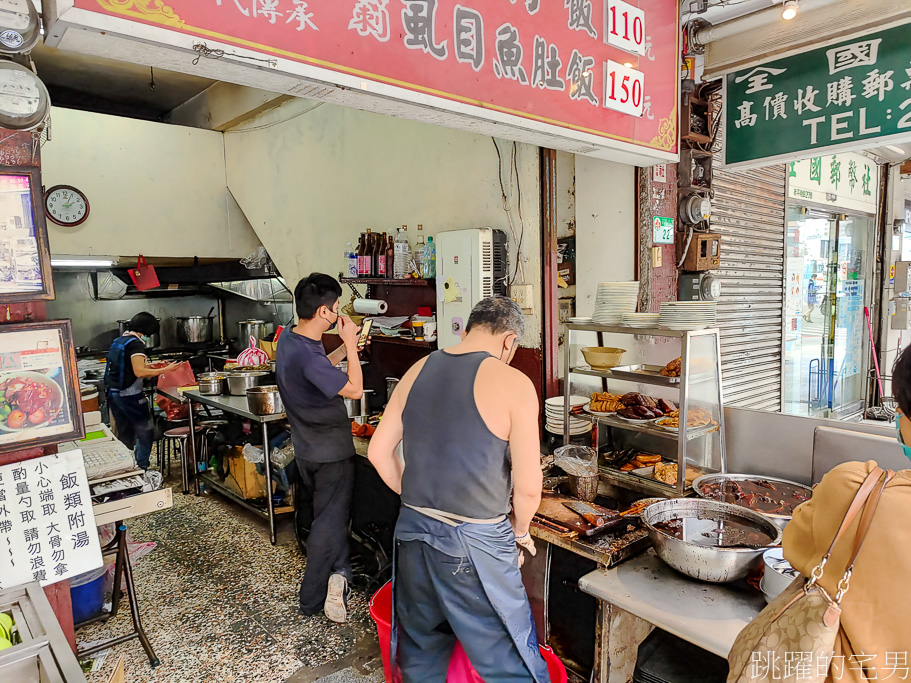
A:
[825,329]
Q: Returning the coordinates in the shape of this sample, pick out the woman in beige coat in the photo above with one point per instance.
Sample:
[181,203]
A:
[874,642]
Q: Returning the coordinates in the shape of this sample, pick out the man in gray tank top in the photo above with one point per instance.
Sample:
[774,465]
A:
[468,424]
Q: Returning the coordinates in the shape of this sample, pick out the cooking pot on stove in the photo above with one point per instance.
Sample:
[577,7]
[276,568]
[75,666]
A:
[194,329]
[123,328]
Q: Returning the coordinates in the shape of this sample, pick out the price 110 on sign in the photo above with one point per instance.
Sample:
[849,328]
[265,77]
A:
[625,27]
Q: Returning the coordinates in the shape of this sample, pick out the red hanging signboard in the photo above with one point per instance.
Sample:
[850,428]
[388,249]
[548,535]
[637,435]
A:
[605,68]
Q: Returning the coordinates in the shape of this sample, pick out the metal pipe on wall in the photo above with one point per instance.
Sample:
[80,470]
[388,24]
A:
[221,320]
[765,17]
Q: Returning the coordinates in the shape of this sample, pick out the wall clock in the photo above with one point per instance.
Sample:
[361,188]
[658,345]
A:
[66,206]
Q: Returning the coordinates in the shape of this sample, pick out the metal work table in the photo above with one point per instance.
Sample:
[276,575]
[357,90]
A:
[236,405]
[644,592]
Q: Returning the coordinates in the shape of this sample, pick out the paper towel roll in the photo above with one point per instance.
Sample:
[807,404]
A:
[370,306]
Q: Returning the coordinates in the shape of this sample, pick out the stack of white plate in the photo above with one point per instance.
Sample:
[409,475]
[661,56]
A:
[553,414]
[613,300]
[687,315]
[641,319]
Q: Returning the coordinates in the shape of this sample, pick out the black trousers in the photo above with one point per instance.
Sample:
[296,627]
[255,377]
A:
[134,424]
[326,489]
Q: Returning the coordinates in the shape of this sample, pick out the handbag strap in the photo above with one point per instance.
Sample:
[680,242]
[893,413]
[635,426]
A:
[857,504]
[141,262]
[863,527]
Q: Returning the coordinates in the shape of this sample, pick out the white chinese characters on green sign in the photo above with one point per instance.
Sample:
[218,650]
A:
[824,99]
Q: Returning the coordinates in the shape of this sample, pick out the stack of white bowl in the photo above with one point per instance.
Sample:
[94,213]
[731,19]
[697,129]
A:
[613,300]
[641,319]
[553,415]
[688,315]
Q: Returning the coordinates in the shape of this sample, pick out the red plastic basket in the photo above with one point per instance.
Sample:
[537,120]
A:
[460,669]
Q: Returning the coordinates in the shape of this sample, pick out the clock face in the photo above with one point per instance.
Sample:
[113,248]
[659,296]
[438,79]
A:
[66,205]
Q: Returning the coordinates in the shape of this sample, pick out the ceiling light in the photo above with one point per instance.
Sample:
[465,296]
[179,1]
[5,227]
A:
[81,263]
[895,149]
[628,65]
[789,9]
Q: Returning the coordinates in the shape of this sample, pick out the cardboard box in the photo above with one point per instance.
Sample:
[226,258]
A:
[269,348]
[249,482]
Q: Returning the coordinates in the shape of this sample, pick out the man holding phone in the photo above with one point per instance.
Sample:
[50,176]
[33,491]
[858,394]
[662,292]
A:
[312,389]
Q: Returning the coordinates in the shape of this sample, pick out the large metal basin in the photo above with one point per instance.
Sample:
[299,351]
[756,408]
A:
[781,521]
[716,565]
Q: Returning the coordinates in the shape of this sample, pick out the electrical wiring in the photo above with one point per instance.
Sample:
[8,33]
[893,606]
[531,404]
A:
[276,123]
[507,207]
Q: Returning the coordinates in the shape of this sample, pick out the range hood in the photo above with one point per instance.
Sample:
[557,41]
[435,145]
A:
[271,290]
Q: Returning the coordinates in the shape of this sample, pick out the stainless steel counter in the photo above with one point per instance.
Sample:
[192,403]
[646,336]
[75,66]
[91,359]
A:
[235,405]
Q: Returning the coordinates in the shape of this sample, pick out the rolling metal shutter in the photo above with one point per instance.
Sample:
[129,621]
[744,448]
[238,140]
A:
[748,211]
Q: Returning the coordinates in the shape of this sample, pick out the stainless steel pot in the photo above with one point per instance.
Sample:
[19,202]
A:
[239,382]
[123,328]
[780,520]
[194,329]
[251,328]
[717,565]
[265,400]
[211,383]
[391,384]
[357,407]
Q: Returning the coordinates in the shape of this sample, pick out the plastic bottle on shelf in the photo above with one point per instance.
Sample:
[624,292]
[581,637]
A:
[402,254]
[419,252]
[350,265]
[430,259]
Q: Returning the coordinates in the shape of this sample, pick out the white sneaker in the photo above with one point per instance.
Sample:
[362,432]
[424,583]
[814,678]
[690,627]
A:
[336,599]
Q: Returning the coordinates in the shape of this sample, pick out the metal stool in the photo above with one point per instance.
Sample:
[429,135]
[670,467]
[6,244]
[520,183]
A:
[164,446]
[176,440]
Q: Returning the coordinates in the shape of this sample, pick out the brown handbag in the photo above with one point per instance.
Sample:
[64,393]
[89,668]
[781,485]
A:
[804,620]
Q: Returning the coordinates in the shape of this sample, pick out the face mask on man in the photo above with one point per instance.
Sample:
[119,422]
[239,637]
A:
[332,324]
[905,448]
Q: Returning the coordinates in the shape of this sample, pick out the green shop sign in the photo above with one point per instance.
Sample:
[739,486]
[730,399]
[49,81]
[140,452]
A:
[822,101]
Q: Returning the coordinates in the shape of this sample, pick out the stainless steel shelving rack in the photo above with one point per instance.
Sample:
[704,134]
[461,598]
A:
[708,373]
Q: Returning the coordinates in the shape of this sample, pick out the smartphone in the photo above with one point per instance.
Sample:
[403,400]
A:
[365,332]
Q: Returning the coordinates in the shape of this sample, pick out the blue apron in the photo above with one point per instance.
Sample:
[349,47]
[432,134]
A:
[493,552]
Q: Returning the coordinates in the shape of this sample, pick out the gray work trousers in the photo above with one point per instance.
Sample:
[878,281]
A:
[439,599]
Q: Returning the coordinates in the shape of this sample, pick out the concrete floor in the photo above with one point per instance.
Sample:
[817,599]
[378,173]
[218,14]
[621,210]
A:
[219,604]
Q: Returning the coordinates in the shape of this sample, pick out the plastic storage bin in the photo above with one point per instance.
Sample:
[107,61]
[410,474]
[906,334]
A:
[87,593]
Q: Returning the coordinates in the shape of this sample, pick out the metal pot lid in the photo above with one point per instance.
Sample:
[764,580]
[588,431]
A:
[24,101]
[252,322]
[20,29]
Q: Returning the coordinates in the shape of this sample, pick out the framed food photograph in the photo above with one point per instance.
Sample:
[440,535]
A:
[25,260]
[39,385]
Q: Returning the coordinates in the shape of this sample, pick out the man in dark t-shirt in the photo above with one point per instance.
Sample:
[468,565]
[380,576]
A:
[312,390]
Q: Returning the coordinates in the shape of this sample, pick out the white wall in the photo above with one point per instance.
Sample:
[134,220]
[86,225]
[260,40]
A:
[311,178]
[154,189]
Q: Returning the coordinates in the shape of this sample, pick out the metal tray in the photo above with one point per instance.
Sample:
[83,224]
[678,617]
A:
[644,373]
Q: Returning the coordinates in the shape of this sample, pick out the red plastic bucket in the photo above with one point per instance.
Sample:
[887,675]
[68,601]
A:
[460,669]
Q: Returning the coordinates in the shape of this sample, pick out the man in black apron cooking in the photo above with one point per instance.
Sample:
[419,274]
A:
[312,389]
[469,427]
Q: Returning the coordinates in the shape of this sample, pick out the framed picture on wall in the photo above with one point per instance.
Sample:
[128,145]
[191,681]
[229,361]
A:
[39,385]
[25,260]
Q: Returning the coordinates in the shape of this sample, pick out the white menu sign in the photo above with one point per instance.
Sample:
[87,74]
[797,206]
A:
[624,26]
[47,527]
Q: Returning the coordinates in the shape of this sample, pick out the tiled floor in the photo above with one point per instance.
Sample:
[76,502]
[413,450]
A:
[219,604]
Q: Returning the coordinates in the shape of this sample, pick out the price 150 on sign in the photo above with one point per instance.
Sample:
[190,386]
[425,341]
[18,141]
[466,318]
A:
[623,88]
